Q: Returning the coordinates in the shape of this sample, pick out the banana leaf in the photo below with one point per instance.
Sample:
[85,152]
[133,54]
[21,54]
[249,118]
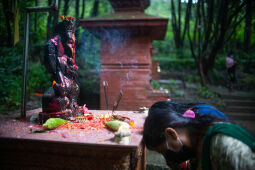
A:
[53,123]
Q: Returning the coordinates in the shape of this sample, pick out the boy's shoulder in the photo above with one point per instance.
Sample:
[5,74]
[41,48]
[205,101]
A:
[228,152]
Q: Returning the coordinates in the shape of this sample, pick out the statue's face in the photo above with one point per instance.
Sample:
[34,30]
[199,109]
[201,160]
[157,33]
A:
[69,34]
[70,37]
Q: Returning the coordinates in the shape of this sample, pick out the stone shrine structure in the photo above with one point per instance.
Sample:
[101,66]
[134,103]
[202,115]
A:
[126,49]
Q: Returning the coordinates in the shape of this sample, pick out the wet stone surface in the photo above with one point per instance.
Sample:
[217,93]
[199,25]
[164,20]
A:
[12,128]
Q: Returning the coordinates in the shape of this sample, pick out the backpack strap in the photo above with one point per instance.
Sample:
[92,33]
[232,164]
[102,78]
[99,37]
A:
[229,129]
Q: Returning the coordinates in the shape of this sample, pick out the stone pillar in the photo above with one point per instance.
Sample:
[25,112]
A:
[126,50]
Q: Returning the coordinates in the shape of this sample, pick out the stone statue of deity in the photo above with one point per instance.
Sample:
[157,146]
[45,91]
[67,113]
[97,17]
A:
[60,100]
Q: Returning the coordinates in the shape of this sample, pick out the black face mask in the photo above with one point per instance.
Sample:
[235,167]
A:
[178,157]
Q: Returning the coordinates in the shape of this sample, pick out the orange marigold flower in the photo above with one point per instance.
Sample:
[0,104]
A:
[132,124]
[53,83]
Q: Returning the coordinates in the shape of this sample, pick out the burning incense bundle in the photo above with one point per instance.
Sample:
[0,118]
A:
[115,106]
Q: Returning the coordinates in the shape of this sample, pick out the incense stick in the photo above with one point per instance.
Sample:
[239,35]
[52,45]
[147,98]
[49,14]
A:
[115,106]
[107,95]
[105,84]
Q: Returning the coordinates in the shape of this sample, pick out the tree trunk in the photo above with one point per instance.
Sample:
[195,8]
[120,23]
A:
[175,26]
[35,17]
[49,24]
[218,44]
[209,24]
[93,14]
[56,14]
[187,18]
[247,27]
[83,9]
[179,23]
[95,9]
[7,14]
[77,2]
[66,7]
[201,73]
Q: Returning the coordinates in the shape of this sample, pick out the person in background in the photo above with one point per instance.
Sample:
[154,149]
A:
[231,66]
[209,141]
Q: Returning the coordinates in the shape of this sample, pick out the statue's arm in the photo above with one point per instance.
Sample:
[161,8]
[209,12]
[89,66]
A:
[50,59]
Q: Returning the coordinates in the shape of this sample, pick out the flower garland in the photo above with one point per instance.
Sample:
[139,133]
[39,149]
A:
[65,18]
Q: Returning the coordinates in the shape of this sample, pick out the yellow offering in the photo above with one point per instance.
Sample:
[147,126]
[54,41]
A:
[116,124]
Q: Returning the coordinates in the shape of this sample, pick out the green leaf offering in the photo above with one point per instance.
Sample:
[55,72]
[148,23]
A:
[115,124]
[53,123]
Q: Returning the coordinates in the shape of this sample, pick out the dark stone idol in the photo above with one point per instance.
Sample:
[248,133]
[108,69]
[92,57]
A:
[60,100]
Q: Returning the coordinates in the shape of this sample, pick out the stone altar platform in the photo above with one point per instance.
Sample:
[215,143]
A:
[69,148]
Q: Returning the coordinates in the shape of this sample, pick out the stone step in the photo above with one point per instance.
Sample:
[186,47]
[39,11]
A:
[239,109]
[178,83]
[249,125]
[189,101]
[241,116]
[237,102]
[225,94]
[238,97]
[157,167]
[155,161]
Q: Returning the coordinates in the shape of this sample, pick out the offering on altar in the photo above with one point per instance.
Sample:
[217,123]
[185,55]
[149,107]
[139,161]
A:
[53,123]
[89,120]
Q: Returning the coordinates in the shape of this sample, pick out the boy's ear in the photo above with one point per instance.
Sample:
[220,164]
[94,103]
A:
[171,133]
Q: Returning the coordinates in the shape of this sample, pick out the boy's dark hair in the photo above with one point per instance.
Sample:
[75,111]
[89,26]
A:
[165,114]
